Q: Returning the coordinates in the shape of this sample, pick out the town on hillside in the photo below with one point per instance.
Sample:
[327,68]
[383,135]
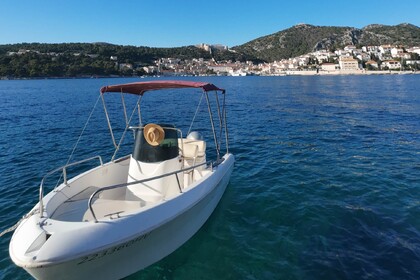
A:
[350,60]
[383,59]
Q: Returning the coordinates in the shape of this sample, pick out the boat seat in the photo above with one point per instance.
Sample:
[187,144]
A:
[190,150]
[154,190]
[201,145]
[194,153]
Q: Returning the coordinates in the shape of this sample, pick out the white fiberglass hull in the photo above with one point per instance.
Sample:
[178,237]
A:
[154,234]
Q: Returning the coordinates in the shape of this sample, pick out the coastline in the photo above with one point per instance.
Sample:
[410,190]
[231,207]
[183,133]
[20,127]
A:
[283,73]
[343,73]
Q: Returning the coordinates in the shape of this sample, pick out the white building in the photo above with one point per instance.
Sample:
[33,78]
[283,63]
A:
[223,68]
[208,47]
[391,64]
[328,67]
[370,49]
[385,48]
[150,69]
[323,55]
[373,64]
[350,48]
[303,60]
[414,50]
[363,56]
[348,63]
[412,62]
[396,52]
[343,53]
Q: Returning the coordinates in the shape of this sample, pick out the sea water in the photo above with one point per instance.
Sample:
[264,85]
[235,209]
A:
[326,183]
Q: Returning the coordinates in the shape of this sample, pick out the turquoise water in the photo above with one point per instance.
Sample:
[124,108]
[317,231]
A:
[326,183]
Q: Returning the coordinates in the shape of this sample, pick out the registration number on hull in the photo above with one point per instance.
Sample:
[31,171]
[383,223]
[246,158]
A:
[112,250]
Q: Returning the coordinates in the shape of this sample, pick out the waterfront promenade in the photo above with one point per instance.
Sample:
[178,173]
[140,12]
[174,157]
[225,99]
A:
[344,72]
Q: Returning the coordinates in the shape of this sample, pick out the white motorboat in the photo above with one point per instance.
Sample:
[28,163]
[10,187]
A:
[124,215]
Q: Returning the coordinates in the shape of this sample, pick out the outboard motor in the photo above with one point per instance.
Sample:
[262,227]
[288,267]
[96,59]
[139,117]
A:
[155,153]
[195,135]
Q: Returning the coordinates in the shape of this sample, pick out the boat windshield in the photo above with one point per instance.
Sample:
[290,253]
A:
[167,149]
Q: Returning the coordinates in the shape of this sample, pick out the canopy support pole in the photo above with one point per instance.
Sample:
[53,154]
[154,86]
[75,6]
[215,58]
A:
[125,109]
[225,122]
[138,110]
[109,122]
[220,120]
[212,127]
[125,130]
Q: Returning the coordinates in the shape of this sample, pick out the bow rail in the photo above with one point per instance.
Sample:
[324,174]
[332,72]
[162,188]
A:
[64,170]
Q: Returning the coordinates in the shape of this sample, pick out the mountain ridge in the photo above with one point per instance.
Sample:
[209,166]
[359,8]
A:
[304,38]
[106,59]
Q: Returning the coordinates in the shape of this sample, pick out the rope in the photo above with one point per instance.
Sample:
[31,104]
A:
[80,136]
[196,111]
[83,130]
[125,130]
[12,228]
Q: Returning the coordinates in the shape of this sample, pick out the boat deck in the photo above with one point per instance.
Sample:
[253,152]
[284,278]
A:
[76,208]
[111,203]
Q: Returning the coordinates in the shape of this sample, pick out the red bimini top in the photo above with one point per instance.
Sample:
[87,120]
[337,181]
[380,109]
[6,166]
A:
[140,88]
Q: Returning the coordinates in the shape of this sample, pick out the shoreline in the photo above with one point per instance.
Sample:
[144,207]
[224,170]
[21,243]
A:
[281,74]
[344,73]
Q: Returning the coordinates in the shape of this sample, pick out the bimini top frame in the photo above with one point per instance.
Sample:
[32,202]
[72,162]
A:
[139,88]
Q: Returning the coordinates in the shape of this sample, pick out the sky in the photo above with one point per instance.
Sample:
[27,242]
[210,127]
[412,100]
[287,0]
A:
[175,23]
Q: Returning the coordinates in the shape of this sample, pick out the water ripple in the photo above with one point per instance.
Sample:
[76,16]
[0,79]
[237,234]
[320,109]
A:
[326,183]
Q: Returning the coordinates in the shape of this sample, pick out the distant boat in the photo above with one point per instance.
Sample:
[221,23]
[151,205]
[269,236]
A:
[238,73]
[129,213]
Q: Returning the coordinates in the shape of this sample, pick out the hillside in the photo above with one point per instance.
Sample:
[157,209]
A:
[305,38]
[102,59]
[86,59]
[404,34]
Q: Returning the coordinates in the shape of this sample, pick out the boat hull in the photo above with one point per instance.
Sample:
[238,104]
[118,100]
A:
[148,247]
